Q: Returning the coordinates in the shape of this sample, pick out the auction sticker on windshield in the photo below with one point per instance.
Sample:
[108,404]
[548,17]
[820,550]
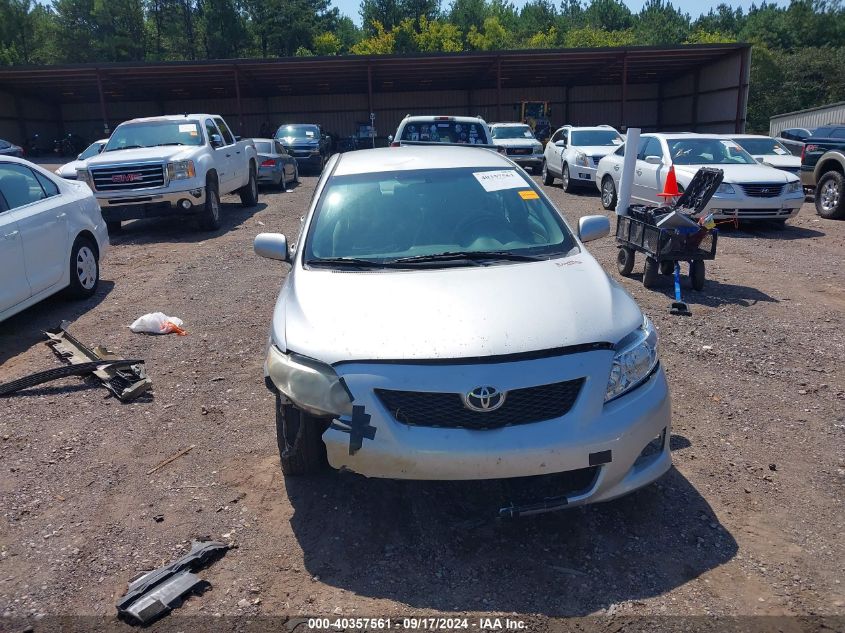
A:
[529,194]
[499,179]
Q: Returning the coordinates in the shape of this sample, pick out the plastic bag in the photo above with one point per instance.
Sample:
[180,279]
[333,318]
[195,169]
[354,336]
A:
[158,323]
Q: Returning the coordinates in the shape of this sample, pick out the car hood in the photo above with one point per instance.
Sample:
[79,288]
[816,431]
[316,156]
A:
[740,173]
[516,142]
[68,170]
[595,150]
[143,154]
[787,161]
[452,313]
[291,140]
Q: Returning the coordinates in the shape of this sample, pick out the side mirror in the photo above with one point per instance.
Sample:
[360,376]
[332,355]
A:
[761,160]
[390,138]
[591,227]
[560,143]
[274,246]
[216,141]
[654,160]
[238,138]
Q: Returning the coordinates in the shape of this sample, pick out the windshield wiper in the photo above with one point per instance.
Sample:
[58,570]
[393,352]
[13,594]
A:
[166,144]
[350,262]
[115,149]
[468,255]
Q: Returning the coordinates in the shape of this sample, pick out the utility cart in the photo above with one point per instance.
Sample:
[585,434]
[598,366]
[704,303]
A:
[670,234]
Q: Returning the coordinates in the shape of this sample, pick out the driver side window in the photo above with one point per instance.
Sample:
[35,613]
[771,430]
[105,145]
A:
[556,137]
[211,130]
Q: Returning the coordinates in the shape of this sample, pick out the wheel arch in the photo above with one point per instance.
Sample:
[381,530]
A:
[831,161]
[85,233]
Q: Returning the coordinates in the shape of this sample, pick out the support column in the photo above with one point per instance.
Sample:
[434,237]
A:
[696,80]
[624,90]
[566,120]
[103,113]
[238,99]
[369,88]
[742,86]
[498,88]
[660,105]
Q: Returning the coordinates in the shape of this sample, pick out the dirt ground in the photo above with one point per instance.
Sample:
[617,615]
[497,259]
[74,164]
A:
[749,522]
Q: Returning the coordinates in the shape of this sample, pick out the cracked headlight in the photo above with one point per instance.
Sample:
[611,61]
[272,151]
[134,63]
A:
[181,170]
[635,359]
[795,187]
[725,188]
[309,384]
[581,159]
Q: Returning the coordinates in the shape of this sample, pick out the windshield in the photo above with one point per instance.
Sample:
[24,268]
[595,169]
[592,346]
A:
[762,146]
[387,216]
[513,131]
[298,131]
[92,150]
[445,132]
[263,147]
[155,134]
[707,151]
[587,138]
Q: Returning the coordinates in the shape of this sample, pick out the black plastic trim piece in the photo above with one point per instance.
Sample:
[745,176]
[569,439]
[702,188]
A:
[602,457]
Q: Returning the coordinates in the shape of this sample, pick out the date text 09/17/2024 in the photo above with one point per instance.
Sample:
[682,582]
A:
[416,624]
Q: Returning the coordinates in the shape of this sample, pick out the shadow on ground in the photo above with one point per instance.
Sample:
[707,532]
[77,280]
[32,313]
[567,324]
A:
[768,231]
[27,328]
[425,544]
[184,229]
[714,294]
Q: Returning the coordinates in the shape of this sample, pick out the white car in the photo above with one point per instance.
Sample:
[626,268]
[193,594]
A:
[519,144]
[52,236]
[471,130]
[768,151]
[749,191]
[573,153]
[441,320]
[68,170]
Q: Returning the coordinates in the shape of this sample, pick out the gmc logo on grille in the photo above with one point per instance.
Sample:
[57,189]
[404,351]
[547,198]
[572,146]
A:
[118,178]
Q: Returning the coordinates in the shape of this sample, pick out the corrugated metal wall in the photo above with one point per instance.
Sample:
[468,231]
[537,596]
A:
[810,118]
[711,99]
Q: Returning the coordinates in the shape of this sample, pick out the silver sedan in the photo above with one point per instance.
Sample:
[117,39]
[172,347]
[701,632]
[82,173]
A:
[275,165]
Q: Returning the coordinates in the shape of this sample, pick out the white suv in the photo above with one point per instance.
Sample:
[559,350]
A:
[519,144]
[573,153]
[471,130]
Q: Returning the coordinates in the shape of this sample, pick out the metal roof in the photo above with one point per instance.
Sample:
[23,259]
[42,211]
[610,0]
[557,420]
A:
[357,74]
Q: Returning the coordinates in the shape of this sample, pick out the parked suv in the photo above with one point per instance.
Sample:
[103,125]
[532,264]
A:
[471,130]
[823,168]
[573,153]
[306,142]
[519,144]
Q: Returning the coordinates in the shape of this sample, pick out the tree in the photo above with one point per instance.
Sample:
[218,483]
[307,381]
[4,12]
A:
[438,36]
[660,23]
[222,29]
[493,36]
[96,30]
[25,32]
[590,37]
[383,42]
[611,15]
[388,13]
[544,39]
[468,14]
[327,44]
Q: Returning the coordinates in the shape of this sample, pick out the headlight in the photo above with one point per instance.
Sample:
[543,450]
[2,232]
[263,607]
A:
[795,187]
[309,384]
[725,188]
[581,159]
[634,362]
[538,148]
[181,170]
[85,176]
[315,152]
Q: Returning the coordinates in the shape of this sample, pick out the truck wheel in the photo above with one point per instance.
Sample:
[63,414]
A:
[565,182]
[300,440]
[296,174]
[548,179]
[625,261]
[650,272]
[830,196]
[210,216]
[249,193]
[283,186]
[697,274]
[84,268]
[113,226]
[608,193]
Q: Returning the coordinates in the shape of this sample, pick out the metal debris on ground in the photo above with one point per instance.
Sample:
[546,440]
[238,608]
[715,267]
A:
[126,381]
[82,369]
[184,451]
[158,592]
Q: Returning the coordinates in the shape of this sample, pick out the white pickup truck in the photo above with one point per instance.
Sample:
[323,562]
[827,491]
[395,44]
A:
[167,165]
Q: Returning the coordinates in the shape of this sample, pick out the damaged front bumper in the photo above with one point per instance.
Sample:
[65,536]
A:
[610,438]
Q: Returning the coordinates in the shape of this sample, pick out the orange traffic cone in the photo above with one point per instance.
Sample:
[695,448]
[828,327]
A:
[670,188]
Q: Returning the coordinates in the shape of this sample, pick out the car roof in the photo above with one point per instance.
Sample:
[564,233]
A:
[431,117]
[509,124]
[172,117]
[748,136]
[265,140]
[411,157]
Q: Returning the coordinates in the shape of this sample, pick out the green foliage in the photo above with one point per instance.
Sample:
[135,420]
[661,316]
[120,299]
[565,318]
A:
[700,36]
[591,37]
[492,36]
[327,44]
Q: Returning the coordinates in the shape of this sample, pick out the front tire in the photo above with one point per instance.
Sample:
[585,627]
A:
[830,196]
[548,179]
[300,440]
[625,261]
[650,272]
[84,268]
[249,192]
[697,274]
[608,193]
[210,216]
[565,182]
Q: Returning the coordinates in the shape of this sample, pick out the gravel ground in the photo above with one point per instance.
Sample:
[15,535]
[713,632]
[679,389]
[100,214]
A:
[749,522]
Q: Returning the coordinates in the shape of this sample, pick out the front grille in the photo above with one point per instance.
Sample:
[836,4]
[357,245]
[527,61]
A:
[596,160]
[446,410]
[765,190]
[128,177]
[518,151]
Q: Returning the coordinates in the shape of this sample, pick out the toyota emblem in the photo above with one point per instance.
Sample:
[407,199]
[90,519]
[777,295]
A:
[484,399]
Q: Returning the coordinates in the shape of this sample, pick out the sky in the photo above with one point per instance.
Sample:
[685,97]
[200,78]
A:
[693,7]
